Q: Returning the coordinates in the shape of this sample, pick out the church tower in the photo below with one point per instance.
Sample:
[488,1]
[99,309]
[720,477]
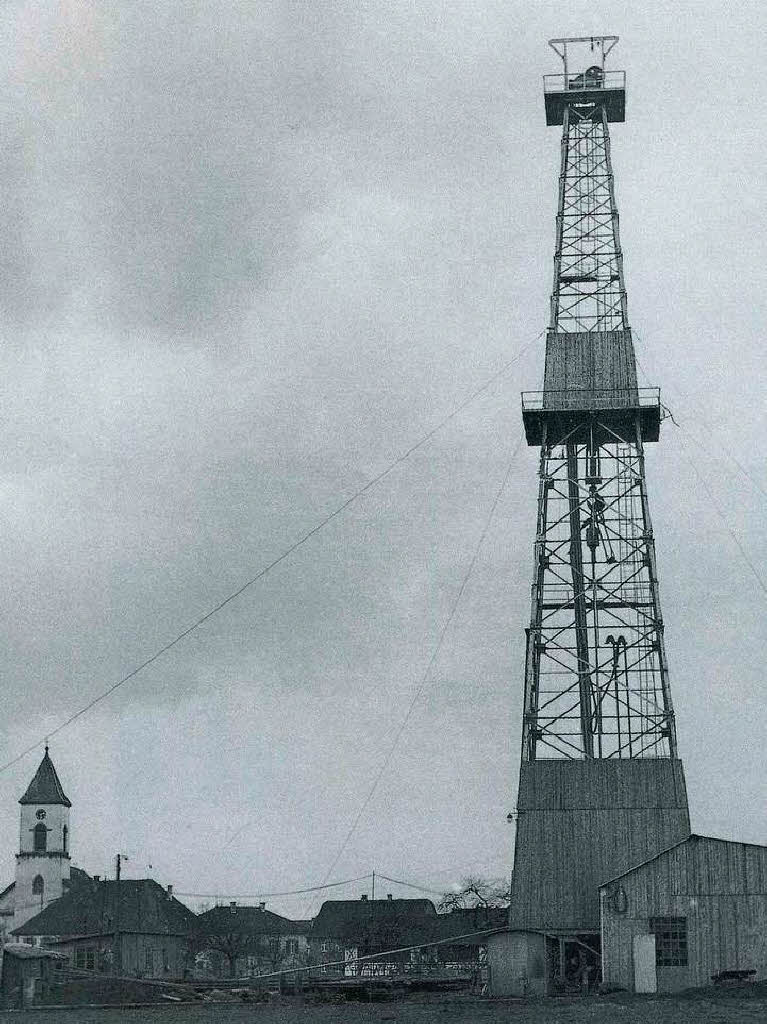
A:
[42,863]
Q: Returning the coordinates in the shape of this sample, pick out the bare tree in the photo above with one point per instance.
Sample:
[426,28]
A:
[237,944]
[476,893]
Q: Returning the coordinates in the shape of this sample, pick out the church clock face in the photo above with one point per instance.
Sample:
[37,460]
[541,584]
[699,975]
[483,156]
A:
[40,815]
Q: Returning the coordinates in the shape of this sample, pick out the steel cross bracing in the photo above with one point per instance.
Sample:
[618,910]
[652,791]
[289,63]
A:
[596,678]
[588,292]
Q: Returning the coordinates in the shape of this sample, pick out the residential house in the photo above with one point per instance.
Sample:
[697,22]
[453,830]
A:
[246,941]
[346,929]
[463,935]
[133,927]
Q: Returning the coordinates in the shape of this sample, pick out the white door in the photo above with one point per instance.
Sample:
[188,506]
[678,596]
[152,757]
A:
[645,977]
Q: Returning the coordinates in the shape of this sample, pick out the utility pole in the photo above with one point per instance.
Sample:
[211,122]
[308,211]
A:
[117,956]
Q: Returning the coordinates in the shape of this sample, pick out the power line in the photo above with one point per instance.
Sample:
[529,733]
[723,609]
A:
[746,558]
[275,562]
[307,889]
[264,895]
[410,885]
[434,655]
[712,434]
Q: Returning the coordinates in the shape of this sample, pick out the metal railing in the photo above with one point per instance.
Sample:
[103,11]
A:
[583,82]
[590,398]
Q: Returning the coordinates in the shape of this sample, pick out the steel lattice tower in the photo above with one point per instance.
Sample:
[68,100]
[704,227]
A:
[599,774]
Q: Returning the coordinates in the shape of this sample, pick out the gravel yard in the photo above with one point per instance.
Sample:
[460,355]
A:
[730,1007]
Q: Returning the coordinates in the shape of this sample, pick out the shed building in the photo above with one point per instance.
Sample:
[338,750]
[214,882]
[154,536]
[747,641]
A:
[690,915]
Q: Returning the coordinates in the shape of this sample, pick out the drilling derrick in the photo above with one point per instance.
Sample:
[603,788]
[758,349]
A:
[601,788]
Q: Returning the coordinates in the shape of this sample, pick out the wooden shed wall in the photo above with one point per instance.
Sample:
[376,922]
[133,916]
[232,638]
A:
[587,363]
[720,887]
[518,964]
[582,822]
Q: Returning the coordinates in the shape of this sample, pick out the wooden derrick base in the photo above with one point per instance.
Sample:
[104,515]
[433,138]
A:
[582,823]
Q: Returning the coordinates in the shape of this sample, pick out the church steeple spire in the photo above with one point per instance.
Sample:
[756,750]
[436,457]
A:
[45,787]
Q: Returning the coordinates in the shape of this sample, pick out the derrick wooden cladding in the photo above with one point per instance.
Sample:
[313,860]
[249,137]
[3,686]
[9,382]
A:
[589,370]
[583,822]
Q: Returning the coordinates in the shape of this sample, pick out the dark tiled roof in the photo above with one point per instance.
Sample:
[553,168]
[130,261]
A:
[355,919]
[78,877]
[464,922]
[249,921]
[45,788]
[89,909]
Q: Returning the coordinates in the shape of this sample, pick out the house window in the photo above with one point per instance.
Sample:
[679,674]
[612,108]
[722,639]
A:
[165,960]
[670,941]
[291,947]
[149,961]
[41,838]
[324,947]
[38,885]
[85,958]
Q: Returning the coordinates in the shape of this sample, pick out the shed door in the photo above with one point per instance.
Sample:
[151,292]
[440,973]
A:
[645,977]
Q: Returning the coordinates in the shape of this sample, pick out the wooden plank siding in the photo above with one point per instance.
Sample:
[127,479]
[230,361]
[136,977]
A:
[589,370]
[582,822]
[718,886]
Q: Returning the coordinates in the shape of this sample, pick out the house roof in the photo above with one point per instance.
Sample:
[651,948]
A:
[250,921]
[465,921]
[89,909]
[45,787]
[693,837]
[350,919]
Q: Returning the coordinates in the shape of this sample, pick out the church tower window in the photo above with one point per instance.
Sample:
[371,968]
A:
[41,838]
[65,838]
[38,885]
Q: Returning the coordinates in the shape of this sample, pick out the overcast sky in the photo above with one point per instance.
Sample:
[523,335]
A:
[252,252]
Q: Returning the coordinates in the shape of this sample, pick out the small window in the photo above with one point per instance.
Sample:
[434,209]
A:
[65,837]
[41,838]
[38,885]
[670,941]
[149,961]
[85,958]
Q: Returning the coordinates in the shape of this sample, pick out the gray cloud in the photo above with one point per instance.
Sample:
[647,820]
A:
[251,252]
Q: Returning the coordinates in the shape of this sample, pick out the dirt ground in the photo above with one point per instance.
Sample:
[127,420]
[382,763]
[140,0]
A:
[729,1007]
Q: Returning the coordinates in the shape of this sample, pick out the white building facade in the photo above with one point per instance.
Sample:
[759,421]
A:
[42,863]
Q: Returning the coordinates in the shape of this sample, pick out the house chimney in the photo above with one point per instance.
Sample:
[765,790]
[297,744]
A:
[389,896]
[97,878]
[233,907]
[262,906]
[170,892]
[364,898]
